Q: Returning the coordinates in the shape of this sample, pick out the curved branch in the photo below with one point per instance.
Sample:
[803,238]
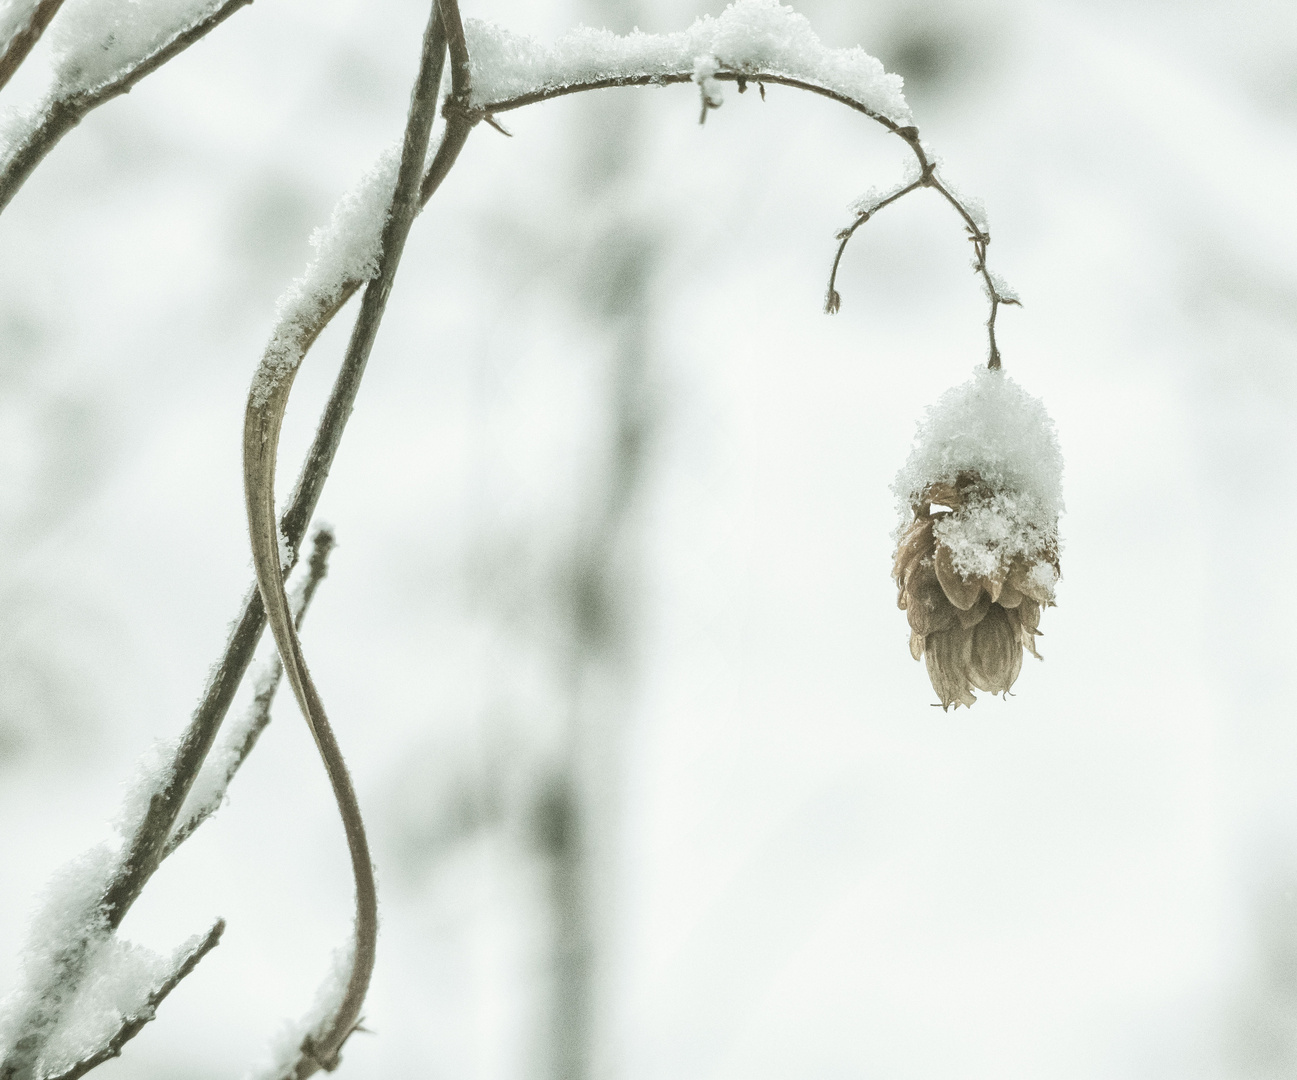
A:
[266,403]
[62,114]
[910,134]
[832,301]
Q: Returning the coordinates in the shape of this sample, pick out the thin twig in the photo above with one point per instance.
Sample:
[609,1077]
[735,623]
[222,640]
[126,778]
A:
[832,301]
[134,1024]
[25,39]
[144,848]
[267,683]
[64,113]
[320,1048]
[146,845]
[910,135]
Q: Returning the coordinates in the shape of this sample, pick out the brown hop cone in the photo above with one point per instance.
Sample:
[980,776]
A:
[971,629]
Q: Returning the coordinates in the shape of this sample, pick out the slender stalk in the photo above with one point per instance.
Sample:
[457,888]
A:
[910,134]
[145,848]
[134,1024]
[321,1048]
[832,301]
[266,685]
[25,39]
[62,114]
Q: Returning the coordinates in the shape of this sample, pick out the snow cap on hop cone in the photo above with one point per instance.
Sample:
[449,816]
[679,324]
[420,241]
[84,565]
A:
[977,544]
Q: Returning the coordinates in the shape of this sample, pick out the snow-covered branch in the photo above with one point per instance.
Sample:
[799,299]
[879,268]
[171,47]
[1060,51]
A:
[101,52]
[22,23]
[187,959]
[208,792]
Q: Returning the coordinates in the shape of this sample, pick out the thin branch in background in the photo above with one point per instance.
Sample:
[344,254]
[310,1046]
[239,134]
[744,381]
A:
[134,1024]
[266,685]
[64,113]
[321,1046]
[26,37]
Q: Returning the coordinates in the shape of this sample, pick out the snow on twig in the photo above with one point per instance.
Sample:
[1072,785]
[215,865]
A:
[95,41]
[749,35]
[347,252]
[211,785]
[182,963]
[80,982]
[80,84]
[14,15]
[299,1037]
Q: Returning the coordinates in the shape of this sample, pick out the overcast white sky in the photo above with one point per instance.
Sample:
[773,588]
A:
[816,873]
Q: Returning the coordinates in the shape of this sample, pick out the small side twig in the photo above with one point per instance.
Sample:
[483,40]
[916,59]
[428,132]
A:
[979,237]
[134,1024]
[908,133]
[832,301]
[267,684]
[25,39]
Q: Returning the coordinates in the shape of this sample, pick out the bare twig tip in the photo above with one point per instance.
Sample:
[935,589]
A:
[832,302]
[497,125]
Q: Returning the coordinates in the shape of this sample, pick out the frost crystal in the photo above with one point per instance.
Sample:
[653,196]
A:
[748,36]
[1003,289]
[975,207]
[287,1045]
[875,197]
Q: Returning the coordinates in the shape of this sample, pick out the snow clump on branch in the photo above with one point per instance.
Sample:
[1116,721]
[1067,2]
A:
[977,544]
[347,251]
[96,40]
[749,36]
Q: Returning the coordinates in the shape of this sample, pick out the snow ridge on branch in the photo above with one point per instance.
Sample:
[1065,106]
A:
[749,35]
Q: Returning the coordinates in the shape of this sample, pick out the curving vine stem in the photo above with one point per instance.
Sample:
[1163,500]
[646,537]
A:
[272,388]
[320,1047]
[267,602]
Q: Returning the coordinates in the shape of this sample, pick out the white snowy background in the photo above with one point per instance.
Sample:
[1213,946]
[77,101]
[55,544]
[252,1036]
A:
[814,873]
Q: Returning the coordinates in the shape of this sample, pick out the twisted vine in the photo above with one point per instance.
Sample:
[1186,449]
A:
[267,600]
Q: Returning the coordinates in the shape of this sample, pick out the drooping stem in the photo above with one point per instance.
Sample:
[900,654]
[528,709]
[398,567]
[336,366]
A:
[927,168]
[832,301]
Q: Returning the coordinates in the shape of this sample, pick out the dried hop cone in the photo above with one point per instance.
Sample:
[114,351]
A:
[977,549]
